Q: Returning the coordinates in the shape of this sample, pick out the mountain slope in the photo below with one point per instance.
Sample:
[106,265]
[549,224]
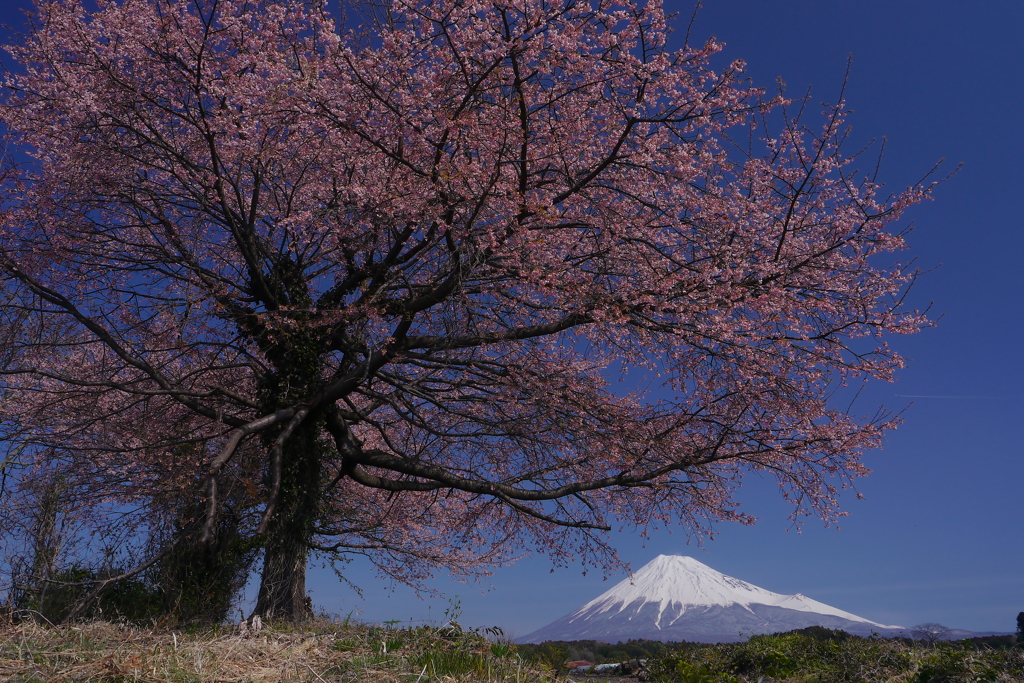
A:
[674,598]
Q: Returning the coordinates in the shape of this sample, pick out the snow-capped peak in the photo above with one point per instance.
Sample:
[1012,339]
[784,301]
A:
[683,581]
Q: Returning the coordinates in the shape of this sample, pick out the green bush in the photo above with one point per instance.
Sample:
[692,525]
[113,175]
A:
[130,599]
[552,655]
[815,657]
[767,656]
[685,672]
[954,663]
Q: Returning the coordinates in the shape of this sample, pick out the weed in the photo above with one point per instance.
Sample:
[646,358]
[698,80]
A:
[346,645]
[503,650]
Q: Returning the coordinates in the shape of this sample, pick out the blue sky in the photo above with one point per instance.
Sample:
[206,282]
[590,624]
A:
[939,535]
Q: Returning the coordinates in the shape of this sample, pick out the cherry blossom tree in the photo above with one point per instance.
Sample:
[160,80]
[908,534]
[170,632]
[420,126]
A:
[478,277]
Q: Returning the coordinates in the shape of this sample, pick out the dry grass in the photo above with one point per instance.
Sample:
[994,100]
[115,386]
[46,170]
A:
[320,652]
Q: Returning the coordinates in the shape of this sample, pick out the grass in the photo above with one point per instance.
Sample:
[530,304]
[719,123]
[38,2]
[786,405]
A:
[317,652]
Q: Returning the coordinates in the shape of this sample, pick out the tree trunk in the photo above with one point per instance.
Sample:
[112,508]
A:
[282,593]
[47,538]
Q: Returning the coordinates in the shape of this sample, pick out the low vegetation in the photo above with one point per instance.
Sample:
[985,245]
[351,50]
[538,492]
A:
[318,652]
[812,655]
[331,652]
[805,659]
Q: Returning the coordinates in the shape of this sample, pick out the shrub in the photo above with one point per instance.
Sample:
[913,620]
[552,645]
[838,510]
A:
[815,656]
[956,663]
[132,599]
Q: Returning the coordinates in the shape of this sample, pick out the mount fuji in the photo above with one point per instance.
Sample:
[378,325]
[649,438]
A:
[676,598]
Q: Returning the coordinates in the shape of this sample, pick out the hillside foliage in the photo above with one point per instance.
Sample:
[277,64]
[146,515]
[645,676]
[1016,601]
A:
[810,655]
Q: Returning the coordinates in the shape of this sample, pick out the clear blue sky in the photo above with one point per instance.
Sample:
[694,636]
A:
[939,535]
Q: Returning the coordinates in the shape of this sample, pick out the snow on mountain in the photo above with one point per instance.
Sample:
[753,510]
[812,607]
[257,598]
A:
[674,597]
[669,579]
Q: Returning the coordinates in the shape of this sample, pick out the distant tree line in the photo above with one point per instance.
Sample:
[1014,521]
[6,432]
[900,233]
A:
[596,651]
